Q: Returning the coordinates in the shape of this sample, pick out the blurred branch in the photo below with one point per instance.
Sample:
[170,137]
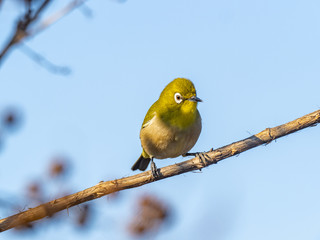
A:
[57,16]
[104,188]
[23,30]
[22,27]
[42,61]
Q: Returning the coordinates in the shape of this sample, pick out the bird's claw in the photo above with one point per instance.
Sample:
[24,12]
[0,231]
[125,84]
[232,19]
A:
[154,170]
[203,157]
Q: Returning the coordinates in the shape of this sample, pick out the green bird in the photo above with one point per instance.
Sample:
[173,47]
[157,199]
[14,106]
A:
[171,126]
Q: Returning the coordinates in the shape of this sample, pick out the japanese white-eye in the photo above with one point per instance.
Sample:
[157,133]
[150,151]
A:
[172,125]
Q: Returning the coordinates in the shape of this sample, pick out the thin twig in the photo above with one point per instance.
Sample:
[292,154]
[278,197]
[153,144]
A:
[56,16]
[104,188]
[23,30]
[44,62]
[22,27]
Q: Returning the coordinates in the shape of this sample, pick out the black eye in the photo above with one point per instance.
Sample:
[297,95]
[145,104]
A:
[178,98]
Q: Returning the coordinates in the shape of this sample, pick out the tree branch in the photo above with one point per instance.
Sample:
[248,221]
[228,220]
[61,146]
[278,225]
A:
[104,188]
[22,27]
[23,30]
[44,62]
[57,16]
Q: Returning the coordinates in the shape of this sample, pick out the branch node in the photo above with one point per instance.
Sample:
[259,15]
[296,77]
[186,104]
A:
[234,151]
[270,135]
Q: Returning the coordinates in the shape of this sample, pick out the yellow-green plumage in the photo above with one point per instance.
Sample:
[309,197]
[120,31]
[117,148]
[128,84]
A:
[172,125]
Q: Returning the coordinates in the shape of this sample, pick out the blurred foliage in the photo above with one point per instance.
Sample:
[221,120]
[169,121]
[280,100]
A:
[11,119]
[60,167]
[83,215]
[152,213]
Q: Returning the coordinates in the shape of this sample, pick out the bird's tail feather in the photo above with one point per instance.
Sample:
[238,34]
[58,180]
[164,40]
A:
[141,164]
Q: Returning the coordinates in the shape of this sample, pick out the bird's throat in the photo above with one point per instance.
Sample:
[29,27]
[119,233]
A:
[183,117]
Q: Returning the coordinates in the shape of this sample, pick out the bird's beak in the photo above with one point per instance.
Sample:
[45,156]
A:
[194,99]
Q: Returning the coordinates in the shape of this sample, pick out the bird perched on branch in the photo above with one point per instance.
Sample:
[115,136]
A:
[172,125]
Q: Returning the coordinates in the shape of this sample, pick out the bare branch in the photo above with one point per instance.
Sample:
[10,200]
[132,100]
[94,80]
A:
[57,16]
[39,10]
[23,26]
[44,62]
[104,188]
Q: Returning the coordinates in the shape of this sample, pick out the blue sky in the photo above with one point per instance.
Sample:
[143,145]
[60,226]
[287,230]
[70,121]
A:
[254,63]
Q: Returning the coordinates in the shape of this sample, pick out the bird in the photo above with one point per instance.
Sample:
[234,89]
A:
[171,126]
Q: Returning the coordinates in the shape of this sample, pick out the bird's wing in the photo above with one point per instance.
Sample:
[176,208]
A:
[149,116]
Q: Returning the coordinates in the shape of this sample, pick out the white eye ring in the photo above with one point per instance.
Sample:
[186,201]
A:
[178,98]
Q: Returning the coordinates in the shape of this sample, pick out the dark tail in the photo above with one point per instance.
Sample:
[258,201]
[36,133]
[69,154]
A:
[141,164]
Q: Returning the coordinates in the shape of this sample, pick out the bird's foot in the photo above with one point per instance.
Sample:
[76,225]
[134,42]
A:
[154,170]
[203,157]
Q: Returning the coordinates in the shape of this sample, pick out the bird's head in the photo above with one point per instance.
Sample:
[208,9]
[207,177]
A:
[179,100]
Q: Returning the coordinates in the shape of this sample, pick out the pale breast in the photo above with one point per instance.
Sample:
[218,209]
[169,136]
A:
[162,141]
